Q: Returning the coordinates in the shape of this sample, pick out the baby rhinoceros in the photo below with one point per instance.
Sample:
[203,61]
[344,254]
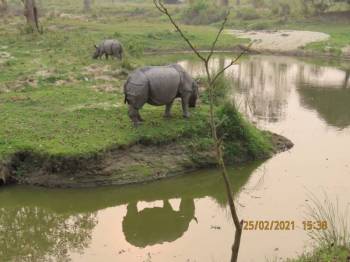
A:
[159,85]
[109,47]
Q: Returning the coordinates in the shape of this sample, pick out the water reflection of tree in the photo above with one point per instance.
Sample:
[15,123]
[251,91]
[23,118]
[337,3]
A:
[36,234]
[262,88]
[157,225]
[48,224]
[331,103]
[325,90]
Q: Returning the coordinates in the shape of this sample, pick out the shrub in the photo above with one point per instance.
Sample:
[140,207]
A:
[247,13]
[259,26]
[135,48]
[203,12]
[233,127]
[221,88]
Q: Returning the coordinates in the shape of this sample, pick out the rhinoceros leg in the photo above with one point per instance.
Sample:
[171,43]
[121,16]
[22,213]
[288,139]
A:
[167,110]
[106,56]
[185,101]
[139,117]
[134,115]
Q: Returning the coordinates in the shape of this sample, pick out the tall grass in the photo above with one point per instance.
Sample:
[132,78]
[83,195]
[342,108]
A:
[337,232]
[332,243]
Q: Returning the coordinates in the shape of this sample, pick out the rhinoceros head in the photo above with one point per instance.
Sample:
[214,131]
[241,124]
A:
[96,53]
[194,95]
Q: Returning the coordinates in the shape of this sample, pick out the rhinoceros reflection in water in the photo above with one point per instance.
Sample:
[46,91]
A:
[157,225]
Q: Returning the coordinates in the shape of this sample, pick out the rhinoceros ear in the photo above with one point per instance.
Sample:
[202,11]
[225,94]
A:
[95,46]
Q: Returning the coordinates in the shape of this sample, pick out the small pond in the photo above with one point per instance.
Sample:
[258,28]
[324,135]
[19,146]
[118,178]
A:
[187,218]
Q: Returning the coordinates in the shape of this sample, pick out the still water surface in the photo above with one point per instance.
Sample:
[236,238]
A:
[187,218]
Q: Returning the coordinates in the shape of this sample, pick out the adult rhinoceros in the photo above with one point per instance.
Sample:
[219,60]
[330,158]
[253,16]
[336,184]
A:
[159,85]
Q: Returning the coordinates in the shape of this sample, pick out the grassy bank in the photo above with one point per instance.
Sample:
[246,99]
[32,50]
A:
[325,254]
[61,108]
[333,242]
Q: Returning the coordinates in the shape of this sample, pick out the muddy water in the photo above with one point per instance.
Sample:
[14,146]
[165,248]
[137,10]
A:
[186,218]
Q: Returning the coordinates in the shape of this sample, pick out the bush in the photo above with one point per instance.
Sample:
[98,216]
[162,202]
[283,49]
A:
[221,88]
[252,142]
[258,3]
[260,26]
[203,12]
[247,13]
[134,48]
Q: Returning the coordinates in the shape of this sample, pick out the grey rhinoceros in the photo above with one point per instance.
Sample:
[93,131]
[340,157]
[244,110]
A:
[108,47]
[159,85]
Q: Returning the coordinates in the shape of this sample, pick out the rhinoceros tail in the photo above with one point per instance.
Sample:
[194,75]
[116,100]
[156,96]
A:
[125,95]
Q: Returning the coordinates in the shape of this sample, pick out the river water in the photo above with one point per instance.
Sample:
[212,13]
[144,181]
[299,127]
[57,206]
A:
[186,218]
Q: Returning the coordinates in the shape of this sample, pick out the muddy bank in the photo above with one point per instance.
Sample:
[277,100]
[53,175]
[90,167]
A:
[239,48]
[136,164]
[287,42]
[272,42]
[280,40]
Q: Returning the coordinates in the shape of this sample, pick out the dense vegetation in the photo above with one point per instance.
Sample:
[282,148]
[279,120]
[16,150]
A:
[56,100]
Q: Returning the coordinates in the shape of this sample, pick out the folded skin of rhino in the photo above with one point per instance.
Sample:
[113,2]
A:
[159,85]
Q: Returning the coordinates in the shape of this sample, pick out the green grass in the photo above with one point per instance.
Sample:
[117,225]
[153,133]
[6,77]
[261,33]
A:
[49,101]
[333,242]
[78,121]
[339,35]
[330,254]
[56,100]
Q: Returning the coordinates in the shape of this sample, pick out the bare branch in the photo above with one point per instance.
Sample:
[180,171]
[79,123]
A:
[160,6]
[234,61]
[218,36]
[218,142]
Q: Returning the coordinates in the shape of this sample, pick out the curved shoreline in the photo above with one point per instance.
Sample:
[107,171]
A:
[239,48]
[136,164]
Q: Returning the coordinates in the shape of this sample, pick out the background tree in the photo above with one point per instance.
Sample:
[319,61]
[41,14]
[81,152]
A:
[171,1]
[3,6]
[223,2]
[87,5]
[31,14]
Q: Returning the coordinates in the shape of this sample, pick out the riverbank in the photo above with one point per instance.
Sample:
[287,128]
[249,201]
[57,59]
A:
[62,108]
[334,253]
[138,163]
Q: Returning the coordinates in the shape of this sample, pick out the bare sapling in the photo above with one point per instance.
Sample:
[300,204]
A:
[32,16]
[211,79]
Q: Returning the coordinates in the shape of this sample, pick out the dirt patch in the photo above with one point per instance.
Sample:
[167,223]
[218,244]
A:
[72,16]
[98,72]
[45,73]
[109,88]
[279,40]
[105,74]
[346,50]
[4,57]
[19,85]
[103,106]
[136,164]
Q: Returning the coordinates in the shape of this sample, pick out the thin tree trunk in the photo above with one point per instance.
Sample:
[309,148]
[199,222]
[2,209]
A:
[223,2]
[87,5]
[3,6]
[31,14]
[347,77]
[220,160]
[217,141]
[238,2]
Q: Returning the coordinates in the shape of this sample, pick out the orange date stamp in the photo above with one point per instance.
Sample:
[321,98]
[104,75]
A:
[269,225]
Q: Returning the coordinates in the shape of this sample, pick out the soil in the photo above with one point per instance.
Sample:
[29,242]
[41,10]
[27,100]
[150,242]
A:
[135,164]
[280,40]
